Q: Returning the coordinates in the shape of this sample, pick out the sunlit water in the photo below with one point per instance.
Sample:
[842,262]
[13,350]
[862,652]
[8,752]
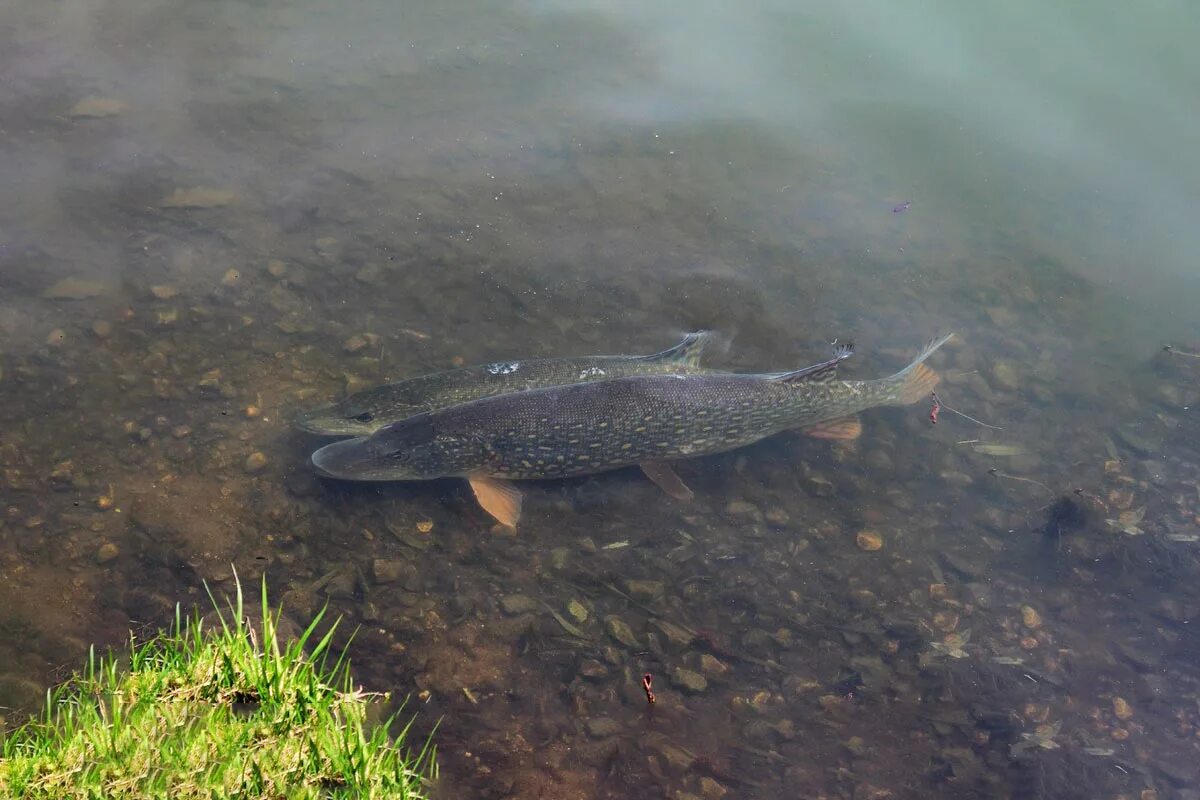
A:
[215,214]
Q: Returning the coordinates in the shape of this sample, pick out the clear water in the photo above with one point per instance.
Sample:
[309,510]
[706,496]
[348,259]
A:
[468,182]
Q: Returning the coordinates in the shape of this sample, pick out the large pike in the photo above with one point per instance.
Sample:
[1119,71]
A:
[593,427]
[363,413]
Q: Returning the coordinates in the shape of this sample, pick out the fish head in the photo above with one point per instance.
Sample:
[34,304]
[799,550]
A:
[408,450]
[359,415]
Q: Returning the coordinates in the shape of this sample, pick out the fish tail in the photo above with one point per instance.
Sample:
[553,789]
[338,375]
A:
[687,353]
[917,380]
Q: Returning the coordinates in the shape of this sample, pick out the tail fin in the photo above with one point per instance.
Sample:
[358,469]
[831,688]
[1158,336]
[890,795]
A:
[916,381]
[687,353]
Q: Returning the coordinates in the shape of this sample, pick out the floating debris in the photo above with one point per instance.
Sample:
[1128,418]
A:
[954,645]
[1042,737]
[1002,450]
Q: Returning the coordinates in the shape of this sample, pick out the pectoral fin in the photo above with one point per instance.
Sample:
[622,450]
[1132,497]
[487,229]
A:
[661,473]
[498,497]
[842,429]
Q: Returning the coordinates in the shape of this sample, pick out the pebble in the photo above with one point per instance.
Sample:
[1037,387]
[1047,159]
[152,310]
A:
[593,670]
[1121,708]
[104,502]
[163,292]
[96,107]
[181,432]
[276,268]
[75,289]
[578,611]
[711,789]
[869,541]
[619,630]
[518,604]
[1030,617]
[57,338]
[712,666]
[603,726]
[354,344]
[386,570]
[107,552]
[945,621]
[820,486]
[740,507]
[232,277]
[1004,377]
[102,329]
[199,197]
[255,462]
[688,680]
[645,590]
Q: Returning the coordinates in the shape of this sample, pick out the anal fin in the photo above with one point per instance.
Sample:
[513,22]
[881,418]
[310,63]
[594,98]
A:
[842,429]
[498,497]
[661,473]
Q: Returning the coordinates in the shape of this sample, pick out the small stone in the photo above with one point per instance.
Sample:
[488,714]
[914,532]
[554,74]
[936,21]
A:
[619,630]
[232,277]
[163,292]
[1121,708]
[578,611]
[386,570]
[518,604]
[820,486]
[276,268]
[107,552]
[593,670]
[199,197]
[711,789]
[1029,643]
[688,680]
[645,590]
[1004,377]
[354,344]
[869,541]
[75,289]
[104,502]
[603,726]
[255,462]
[1119,734]
[777,516]
[945,621]
[57,338]
[102,329]
[181,431]
[740,507]
[1030,618]
[711,666]
[326,245]
[97,107]
[253,412]
[424,526]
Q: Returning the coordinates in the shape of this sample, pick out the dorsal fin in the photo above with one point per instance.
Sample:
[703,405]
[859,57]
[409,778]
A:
[687,353]
[818,373]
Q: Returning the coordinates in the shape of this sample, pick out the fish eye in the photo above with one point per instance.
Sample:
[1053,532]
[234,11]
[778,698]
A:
[365,416]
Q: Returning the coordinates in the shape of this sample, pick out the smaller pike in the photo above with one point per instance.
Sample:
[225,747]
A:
[363,413]
[647,420]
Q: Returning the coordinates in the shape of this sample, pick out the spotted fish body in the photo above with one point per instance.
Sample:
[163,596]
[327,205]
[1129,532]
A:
[587,428]
[365,412]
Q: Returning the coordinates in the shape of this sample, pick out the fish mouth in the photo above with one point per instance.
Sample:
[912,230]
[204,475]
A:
[324,421]
[350,460]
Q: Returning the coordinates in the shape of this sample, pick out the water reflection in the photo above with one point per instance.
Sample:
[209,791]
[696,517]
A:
[250,189]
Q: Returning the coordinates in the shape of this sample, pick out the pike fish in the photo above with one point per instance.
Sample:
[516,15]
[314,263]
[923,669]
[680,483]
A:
[587,428]
[363,413]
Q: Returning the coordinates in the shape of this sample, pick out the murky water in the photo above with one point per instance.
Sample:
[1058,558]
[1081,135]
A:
[214,214]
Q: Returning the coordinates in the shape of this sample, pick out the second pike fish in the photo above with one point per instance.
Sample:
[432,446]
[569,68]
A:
[363,413]
[586,428]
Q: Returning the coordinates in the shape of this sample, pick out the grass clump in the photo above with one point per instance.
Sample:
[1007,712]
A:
[214,713]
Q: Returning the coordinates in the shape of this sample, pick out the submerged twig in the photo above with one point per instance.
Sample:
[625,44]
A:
[1169,350]
[939,404]
[999,474]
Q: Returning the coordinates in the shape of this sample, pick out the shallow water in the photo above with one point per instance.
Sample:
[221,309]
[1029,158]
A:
[393,190]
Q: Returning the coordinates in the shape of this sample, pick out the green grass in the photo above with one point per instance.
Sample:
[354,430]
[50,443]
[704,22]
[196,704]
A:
[214,713]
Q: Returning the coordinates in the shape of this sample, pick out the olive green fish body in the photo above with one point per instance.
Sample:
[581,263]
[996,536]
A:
[587,428]
[364,412]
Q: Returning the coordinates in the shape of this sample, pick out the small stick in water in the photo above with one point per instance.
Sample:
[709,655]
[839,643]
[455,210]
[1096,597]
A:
[939,404]
[999,474]
[647,682]
[1173,352]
